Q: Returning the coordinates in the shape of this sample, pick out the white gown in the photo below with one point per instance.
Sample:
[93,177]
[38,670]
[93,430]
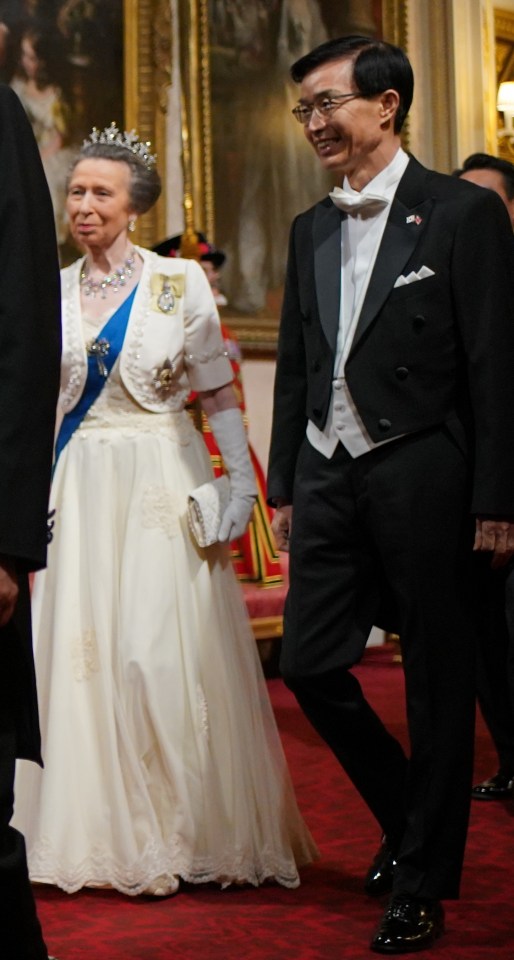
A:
[162,756]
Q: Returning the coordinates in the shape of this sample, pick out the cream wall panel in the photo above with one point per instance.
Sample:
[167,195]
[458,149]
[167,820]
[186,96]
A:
[432,126]
[451,46]
[474,107]
[421,119]
[258,377]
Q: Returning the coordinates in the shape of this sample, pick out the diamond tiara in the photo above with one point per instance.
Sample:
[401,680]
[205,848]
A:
[113,136]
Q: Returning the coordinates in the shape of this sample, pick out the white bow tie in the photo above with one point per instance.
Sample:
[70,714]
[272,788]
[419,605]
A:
[371,203]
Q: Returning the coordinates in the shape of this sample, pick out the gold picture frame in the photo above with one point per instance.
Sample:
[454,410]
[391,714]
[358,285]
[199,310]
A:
[504,64]
[98,61]
[257,332]
[147,77]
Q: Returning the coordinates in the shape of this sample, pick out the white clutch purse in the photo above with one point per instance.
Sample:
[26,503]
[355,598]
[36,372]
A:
[205,508]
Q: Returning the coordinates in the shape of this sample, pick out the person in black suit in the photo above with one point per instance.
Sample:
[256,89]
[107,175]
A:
[29,381]
[392,455]
[495,586]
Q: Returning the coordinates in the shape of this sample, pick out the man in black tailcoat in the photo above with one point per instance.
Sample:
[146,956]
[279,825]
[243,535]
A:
[495,585]
[392,454]
[29,377]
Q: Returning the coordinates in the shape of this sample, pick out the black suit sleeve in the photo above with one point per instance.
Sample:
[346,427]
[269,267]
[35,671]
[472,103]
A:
[483,283]
[29,338]
[290,393]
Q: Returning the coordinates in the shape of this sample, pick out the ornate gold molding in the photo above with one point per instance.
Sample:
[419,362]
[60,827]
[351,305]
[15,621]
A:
[504,65]
[395,30]
[256,336]
[394,22]
[490,111]
[504,24]
[147,76]
[196,119]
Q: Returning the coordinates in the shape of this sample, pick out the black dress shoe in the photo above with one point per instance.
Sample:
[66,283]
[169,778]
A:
[496,788]
[379,878]
[409,925]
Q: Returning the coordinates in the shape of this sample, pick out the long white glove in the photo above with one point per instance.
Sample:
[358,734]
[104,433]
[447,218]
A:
[230,435]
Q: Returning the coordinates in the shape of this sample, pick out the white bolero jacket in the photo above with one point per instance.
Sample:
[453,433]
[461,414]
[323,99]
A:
[173,341]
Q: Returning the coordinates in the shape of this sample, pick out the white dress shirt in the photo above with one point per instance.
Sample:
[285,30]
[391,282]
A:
[361,235]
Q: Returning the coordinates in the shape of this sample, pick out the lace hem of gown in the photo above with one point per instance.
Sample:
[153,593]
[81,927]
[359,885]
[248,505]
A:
[99,869]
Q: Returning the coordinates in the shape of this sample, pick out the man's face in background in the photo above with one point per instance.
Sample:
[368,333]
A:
[492,180]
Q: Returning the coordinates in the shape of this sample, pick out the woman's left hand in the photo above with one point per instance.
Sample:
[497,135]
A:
[236,518]
[226,423]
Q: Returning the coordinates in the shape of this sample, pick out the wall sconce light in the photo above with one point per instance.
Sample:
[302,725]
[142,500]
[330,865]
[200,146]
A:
[505,105]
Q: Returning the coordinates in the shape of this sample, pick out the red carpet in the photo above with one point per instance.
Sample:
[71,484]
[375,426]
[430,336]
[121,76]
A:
[328,917]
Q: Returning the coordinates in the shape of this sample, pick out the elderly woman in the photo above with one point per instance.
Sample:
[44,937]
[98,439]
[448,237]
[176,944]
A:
[162,758]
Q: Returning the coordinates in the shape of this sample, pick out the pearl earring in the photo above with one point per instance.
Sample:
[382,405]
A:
[132,225]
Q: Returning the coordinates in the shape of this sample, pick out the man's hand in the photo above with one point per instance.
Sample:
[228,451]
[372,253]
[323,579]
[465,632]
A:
[282,525]
[496,536]
[8,590]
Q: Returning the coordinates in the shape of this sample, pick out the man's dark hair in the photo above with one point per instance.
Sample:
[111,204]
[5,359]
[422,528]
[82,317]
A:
[486,161]
[378,66]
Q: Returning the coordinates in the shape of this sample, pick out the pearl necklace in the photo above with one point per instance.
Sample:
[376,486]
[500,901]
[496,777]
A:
[112,281]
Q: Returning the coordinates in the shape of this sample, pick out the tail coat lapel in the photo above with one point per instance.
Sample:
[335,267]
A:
[410,212]
[402,233]
[327,268]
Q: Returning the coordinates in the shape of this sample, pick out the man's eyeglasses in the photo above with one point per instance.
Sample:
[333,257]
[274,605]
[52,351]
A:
[323,107]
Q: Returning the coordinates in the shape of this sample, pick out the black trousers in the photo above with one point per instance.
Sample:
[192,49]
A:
[392,525]
[494,612]
[20,931]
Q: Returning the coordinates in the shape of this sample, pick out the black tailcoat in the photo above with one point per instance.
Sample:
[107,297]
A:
[431,367]
[29,379]
[422,353]
[30,342]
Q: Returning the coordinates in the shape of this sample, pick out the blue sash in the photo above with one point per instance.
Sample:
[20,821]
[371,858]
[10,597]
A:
[102,355]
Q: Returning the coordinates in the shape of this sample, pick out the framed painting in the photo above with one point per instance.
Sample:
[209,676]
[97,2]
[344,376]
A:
[76,64]
[249,169]
[504,62]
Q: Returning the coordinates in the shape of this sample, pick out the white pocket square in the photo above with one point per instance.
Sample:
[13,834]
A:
[413,276]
